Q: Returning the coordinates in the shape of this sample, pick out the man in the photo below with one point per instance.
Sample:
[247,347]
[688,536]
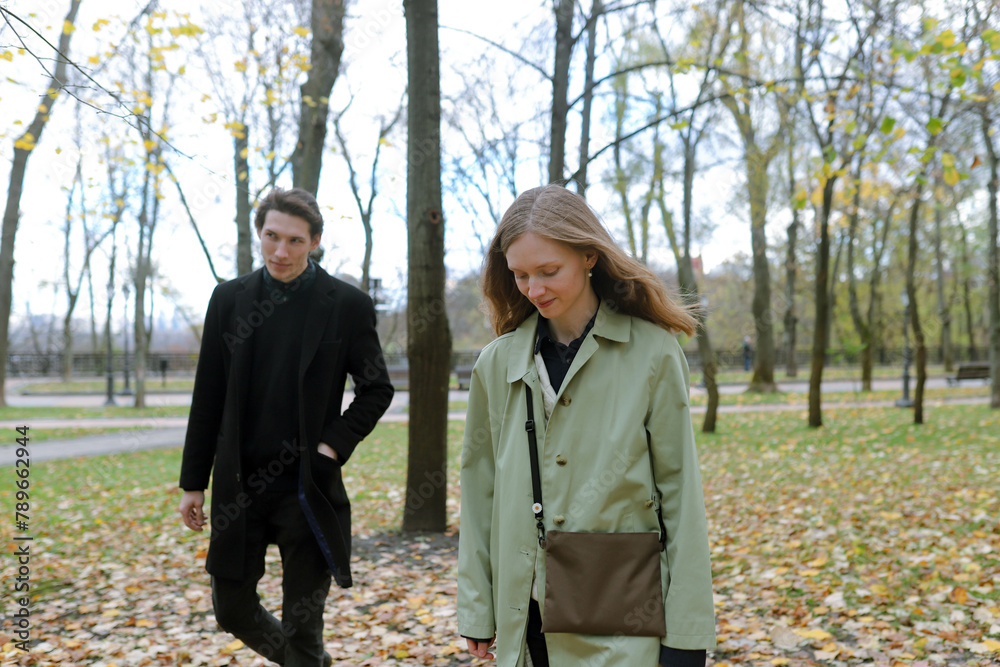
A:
[276,349]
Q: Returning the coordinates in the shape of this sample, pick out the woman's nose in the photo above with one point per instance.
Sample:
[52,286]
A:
[535,288]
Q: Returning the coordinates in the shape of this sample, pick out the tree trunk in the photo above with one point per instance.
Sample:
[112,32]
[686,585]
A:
[560,88]
[94,341]
[831,305]
[993,266]
[818,354]
[853,306]
[871,325]
[790,318]
[919,339]
[67,343]
[244,207]
[967,298]
[67,331]
[758,188]
[621,182]
[327,25]
[685,272]
[944,311]
[12,211]
[139,279]
[911,292]
[597,8]
[428,335]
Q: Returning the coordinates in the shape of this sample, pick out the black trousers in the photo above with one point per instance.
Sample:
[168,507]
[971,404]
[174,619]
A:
[535,638]
[297,640]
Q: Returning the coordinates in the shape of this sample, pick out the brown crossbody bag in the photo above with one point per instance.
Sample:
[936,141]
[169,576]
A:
[598,583]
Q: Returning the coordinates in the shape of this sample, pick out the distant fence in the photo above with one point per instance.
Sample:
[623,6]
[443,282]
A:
[883,357]
[185,363]
[93,364]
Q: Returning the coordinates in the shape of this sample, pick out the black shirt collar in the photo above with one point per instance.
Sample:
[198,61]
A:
[544,334]
[281,292]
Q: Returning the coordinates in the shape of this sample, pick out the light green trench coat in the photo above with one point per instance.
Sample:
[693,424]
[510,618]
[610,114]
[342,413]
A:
[628,382]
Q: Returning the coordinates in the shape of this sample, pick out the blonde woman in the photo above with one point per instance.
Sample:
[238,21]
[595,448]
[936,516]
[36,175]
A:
[589,332]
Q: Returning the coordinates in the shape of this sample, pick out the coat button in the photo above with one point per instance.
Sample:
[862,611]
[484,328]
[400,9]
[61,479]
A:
[559,520]
[561,460]
[565,400]
[649,504]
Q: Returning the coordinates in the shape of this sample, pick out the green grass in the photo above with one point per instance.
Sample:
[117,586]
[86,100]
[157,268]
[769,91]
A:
[829,398]
[27,414]
[44,433]
[99,386]
[867,526]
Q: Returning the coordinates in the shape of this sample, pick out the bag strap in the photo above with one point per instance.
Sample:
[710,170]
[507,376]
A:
[657,498]
[536,478]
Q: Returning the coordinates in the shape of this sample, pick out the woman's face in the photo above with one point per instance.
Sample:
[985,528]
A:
[553,277]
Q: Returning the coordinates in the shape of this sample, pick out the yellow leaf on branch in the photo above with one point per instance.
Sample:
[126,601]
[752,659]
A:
[68,27]
[26,142]
[300,31]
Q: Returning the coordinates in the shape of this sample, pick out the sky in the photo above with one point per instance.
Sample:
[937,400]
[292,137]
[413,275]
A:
[373,71]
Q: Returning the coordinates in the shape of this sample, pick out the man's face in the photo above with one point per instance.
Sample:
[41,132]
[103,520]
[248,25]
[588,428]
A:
[285,244]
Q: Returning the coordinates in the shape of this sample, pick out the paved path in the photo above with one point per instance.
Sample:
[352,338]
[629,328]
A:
[162,432]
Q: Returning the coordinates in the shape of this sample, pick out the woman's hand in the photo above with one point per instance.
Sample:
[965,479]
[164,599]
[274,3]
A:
[481,649]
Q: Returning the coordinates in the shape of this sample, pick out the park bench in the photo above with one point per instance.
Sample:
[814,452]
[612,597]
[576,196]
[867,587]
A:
[464,375]
[399,375]
[979,370]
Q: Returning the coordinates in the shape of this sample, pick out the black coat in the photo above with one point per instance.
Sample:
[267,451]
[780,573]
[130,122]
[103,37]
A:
[339,337]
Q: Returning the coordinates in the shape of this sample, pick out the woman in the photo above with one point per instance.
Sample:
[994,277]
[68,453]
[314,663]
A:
[589,330]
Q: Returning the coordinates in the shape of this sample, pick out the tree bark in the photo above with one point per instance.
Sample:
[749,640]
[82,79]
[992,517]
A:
[831,305]
[428,335]
[853,305]
[756,161]
[327,25]
[597,8]
[71,297]
[919,341]
[993,265]
[23,147]
[244,207]
[967,298]
[758,187]
[560,88]
[790,318]
[944,311]
[818,354]
[685,272]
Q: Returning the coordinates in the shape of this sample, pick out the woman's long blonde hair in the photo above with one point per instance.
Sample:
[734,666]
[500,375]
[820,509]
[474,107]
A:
[621,282]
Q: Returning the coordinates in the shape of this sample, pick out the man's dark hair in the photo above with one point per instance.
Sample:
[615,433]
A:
[297,202]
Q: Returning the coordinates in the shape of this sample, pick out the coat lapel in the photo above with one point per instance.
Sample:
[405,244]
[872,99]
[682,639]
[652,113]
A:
[521,363]
[609,324]
[320,309]
[243,353]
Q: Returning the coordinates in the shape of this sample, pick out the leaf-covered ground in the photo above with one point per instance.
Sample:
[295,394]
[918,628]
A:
[869,541]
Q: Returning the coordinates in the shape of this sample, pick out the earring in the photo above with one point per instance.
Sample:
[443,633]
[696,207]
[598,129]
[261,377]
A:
[590,274]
